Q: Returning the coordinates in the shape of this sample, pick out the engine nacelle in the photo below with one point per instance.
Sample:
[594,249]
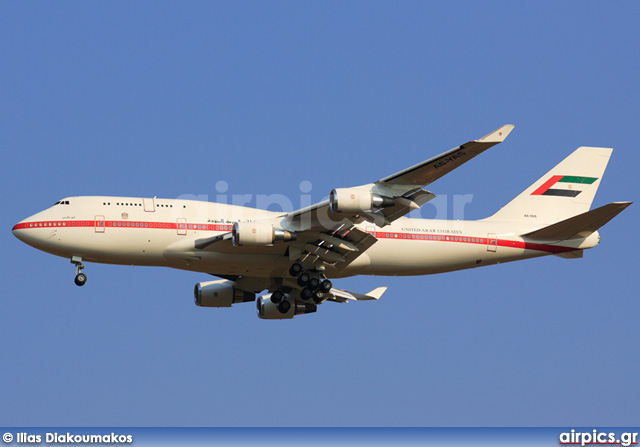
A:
[268,310]
[259,233]
[220,293]
[354,200]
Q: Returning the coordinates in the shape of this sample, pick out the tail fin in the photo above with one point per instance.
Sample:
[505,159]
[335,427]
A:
[565,191]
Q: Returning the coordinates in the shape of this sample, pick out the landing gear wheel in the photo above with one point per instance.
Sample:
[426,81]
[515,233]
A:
[284,306]
[318,296]
[303,279]
[81,278]
[313,283]
[326,286]
[276,297]
[306,293]
[296,269]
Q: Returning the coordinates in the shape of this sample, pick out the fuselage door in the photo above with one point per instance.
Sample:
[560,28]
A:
[492,242]
[182,226]
[99,225]
[149,205]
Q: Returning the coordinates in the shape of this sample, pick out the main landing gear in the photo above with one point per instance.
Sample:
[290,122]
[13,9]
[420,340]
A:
[315,287]
[80,278]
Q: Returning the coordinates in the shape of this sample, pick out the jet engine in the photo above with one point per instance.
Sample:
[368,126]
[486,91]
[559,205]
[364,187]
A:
[259,233]
[354,200]
[220,293]
[287,308]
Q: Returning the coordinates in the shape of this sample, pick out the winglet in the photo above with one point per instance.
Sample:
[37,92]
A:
[497,136]
[376,293]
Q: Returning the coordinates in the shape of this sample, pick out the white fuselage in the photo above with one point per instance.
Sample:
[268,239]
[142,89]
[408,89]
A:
[161,232]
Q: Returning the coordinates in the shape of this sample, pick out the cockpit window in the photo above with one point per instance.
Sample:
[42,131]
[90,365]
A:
[61,202]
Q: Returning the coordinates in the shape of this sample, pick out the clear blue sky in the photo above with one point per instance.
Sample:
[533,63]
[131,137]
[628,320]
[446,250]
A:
[166,99]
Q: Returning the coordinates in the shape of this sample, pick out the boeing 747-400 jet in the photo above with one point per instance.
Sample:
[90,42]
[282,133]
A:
[357,231]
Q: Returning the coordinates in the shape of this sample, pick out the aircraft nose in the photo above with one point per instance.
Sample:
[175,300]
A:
[18,229]
[26,230]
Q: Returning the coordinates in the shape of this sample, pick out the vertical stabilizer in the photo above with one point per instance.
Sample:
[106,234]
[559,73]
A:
[563,192]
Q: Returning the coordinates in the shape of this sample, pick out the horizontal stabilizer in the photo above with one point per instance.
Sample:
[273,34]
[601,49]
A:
[575,254]
[578,226]
[344,295]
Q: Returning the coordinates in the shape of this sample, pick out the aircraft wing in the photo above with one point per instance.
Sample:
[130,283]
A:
[398,194]
[431,170]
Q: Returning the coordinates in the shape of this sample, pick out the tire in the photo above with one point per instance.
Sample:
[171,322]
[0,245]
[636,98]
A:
[276,297]
[306,294]
[313,283]
[296,269]
[80,279]
[318,296]
[303,279]
[284,306]
[326,286]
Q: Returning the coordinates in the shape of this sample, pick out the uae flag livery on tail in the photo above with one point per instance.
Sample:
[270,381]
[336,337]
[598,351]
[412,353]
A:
[563,186]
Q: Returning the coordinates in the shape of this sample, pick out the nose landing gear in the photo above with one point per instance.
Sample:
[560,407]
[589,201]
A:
[80,278]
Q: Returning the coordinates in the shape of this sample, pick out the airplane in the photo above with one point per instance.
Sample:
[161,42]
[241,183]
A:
[360,230]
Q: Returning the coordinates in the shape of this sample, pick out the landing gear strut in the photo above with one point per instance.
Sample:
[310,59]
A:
[80,278]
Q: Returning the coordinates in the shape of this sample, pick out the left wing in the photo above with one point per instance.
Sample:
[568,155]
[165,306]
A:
[392,197]
[431,170]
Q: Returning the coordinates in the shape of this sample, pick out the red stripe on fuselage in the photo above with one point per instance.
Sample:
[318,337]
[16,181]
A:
[423,237]
[120,224]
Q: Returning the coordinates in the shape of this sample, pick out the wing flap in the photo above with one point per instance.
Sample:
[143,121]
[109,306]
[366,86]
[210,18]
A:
[403,206]
[203,243]
[362,240]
